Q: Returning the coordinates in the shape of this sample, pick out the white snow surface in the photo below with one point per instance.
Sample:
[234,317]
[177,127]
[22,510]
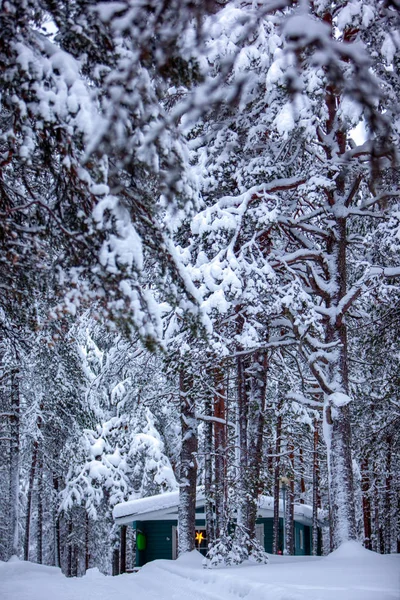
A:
[350,573]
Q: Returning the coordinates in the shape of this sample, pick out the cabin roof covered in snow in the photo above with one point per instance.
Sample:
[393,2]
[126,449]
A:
[146,507]
[164,507]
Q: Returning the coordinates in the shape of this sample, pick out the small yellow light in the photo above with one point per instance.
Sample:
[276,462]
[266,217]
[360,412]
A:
[199,537]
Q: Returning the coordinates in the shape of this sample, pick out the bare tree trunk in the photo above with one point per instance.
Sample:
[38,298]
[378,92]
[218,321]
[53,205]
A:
[398,526]
[40,510]
[366,502]
[87,553]
[341,479]
[251,404]
[255,437]
[75,560]
[337,429]
[302,482]
[56,526]
[123,550]
[32,474]
[388,498]
[208,470]
[315,502]
[115,562]
[290,505]
[275,544]
[220,456]
[241,417]
[14,461]
[69,548]
[188,466]
[376,498]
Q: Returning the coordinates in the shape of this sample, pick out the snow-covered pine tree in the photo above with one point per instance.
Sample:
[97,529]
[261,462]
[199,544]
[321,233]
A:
[304,224]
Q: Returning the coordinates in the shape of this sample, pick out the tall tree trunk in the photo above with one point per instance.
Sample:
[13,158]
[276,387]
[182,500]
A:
[123,550]
[277,472]
[188,466]
[241,420]
[208,469]
[290,504]
[14,462]
[315,499]
[398,526]
[220,437]
[376,498]
[337,430]
[75,560]
[302,482]
[32,474]
[255,437]
[69,548]
[388,498]
[56,525]
[250,415]
[87,552]
[366,503]
[115,562]
[40,510]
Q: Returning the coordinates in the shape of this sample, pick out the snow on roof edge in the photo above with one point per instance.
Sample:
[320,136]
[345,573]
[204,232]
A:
[170,500]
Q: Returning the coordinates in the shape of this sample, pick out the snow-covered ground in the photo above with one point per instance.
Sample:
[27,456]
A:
[350,573]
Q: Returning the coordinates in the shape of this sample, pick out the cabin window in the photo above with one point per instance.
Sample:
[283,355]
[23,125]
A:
[301,539]
[260,534]
[200,540]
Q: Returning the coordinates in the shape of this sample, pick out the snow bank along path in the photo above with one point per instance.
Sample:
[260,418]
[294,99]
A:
[350,573]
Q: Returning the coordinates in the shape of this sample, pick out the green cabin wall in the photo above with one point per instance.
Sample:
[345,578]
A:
[306,550]
[159,538]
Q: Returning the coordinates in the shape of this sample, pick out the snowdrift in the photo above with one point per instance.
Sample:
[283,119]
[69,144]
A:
[349,573]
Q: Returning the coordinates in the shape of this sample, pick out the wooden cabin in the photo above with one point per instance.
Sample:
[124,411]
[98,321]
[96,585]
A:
[155,520]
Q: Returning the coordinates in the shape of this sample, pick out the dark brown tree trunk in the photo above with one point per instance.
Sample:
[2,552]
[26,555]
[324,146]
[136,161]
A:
[188,466]
[115,562]
[302,482]
[208,468]
[315,502]
[32,475]
[242,406]
[255,437]
[220,453]
[290,505]
[29,497]
[376,499]
[398,526]
[40,510]
[277,472]
[366,503]
[242,505]
[388,498]
[14,462]
[75,560]
[87,552]
[252,380]
[56,526]
[69,548]
[123,550]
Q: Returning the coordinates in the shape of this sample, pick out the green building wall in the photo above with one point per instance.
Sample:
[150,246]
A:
[159,542]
